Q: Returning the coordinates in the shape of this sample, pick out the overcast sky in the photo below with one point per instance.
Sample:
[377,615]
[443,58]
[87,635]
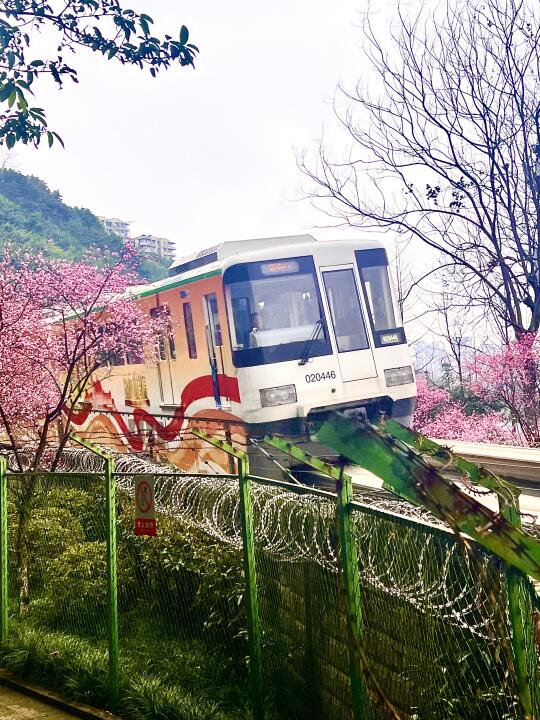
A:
[205,155]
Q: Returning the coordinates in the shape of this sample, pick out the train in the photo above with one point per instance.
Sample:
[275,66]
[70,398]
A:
[266,335]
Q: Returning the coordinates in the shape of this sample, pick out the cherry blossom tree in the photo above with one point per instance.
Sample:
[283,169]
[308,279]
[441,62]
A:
[439,416]
[508,377]
[60,323]
[512,377]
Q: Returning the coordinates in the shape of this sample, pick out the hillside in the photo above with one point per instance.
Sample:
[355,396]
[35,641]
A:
[31,216]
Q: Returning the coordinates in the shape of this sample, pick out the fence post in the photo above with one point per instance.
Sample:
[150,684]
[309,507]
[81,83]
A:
[250,571]
[112,582]
[4,567]
[521,621]
[112,573]
[349,563]
[252,600]
[351,578]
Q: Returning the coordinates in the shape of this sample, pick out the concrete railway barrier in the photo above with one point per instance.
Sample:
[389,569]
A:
[517,464]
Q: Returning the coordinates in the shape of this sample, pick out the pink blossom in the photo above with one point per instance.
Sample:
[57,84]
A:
[59,322]
[511,377]
[438,416]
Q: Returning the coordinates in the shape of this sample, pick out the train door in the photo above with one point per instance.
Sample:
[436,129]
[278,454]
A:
[214,342]
[355,355]
[166,353]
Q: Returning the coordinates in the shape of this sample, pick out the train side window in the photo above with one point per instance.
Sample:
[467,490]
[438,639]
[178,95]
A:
[373,266]
[377,286]
[386,323]
[213,319]
[135,356]
[190,331]
[172,346]
[116,358]
[349,327]
[165,337]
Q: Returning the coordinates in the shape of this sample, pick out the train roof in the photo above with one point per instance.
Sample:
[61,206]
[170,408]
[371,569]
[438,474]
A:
[233,247]
[211,259]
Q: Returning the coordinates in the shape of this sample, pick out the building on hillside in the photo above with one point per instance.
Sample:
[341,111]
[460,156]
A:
[152,246]
[122,228]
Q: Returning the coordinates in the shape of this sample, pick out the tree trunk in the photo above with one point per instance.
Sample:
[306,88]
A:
[25,502]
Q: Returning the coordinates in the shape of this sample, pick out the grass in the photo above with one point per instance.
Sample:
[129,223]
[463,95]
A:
[159,679]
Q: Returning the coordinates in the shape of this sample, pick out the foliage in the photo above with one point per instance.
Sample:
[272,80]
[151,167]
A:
[179,601]
[438,415]
[75,587]
[445,134]
[81,506]
[511,376]
[77,667]
[36,219]
[50,536]
[103,26]
[184,565]
[60,323]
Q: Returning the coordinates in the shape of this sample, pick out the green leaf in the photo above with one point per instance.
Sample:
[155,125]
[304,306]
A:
[21,103]
[184,34]
[6,91]
[144,26]
[50,138]
[57,136]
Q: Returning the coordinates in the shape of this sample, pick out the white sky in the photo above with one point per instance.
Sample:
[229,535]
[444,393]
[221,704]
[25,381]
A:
[206,155]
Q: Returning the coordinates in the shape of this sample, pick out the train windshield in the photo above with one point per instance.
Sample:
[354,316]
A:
[276,311]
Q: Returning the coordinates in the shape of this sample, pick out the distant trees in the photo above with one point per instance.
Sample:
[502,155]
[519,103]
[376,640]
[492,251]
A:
[439,415]
[511,377]
[59,325]
[445,147]
[498,399]
[35,218]
[103,26]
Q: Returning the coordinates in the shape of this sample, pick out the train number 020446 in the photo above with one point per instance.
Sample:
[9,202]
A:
[318,377]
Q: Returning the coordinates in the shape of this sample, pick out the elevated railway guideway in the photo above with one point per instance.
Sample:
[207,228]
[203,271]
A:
[519,465]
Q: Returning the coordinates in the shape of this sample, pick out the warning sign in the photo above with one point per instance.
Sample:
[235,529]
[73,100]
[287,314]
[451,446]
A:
[145,512]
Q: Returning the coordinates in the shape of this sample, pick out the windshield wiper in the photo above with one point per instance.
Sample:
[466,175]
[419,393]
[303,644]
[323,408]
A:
[304,357]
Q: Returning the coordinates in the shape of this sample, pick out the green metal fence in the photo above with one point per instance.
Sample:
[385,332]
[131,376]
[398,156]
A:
[258,598]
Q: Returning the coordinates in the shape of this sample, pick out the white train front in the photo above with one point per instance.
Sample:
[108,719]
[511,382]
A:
[266,335]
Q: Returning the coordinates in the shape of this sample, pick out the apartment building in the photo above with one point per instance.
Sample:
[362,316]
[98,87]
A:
[153,246]
[117,226]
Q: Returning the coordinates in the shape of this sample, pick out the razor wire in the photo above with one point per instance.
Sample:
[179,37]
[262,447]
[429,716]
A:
[395,558]
[211,503]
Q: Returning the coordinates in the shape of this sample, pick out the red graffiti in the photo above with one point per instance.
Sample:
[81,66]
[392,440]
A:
[197,389]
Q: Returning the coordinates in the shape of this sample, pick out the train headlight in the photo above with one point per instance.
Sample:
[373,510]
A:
[282,395]
[399,376]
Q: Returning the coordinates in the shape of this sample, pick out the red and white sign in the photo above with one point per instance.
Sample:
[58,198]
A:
[145,512]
